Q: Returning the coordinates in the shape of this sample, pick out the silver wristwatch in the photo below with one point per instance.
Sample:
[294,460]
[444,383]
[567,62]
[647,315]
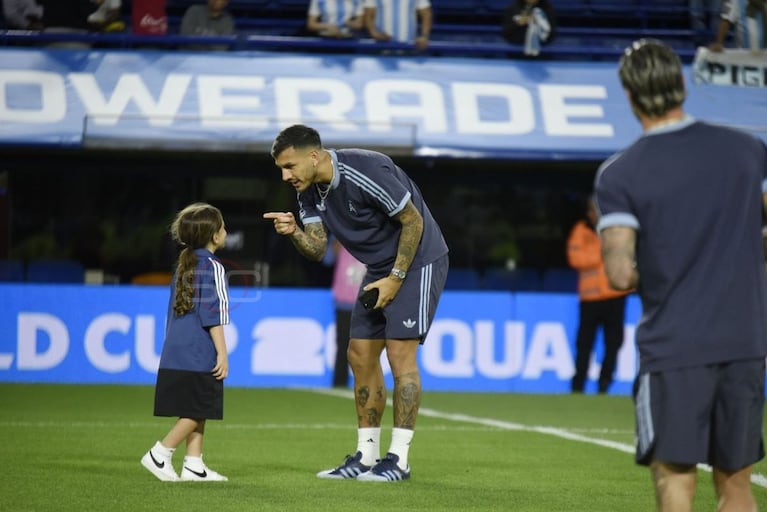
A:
[399,274]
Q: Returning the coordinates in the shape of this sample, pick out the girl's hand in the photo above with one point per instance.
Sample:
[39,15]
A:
[221,370]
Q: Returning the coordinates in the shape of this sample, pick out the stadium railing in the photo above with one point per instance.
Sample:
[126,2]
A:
[588,29]
[583,22]
[499,49]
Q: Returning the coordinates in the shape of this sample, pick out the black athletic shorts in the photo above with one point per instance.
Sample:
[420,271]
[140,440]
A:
[187,394]
[706,414]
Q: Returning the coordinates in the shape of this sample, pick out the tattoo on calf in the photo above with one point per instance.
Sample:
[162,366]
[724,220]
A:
[373,419]
[363,394]
[407,400]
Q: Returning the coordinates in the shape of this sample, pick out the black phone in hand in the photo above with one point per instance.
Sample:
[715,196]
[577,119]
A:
[369,298]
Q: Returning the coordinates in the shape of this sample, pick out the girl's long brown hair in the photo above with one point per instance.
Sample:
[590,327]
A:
[193,227]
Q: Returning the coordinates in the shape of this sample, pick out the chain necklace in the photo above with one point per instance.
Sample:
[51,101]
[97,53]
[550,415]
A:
[324,194]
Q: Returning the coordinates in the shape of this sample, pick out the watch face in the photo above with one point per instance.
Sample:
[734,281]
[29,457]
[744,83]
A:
[399,274]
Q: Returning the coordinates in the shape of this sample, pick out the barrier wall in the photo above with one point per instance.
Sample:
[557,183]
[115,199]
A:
[480,341]
[500,108]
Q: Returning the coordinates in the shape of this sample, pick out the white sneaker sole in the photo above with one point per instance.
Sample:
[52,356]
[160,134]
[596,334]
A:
[327,474]
[186,476]
[371,477]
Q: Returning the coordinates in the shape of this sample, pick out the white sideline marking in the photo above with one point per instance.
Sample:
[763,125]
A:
[756,478]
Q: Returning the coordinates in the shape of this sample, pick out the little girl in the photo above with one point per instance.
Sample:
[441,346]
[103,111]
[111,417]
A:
[194,361]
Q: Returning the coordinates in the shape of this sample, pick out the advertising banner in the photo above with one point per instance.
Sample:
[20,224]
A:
[422,106]
[149,17]
[731,68]
[480,341]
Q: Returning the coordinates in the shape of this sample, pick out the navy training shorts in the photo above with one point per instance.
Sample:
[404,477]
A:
[410,314]
[705,414]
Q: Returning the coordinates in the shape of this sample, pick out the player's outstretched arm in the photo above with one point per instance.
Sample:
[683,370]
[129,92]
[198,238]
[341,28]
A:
[311,242]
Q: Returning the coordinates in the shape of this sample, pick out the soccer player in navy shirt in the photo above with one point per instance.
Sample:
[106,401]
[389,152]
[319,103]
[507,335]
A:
[681,215]
[194,360]
[378,214]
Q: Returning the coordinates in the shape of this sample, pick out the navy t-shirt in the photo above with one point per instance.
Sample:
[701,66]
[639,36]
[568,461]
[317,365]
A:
[368,189]
[188,344]
[693,193]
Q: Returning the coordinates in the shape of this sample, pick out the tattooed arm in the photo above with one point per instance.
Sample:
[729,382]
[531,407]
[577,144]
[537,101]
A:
[410,237]
[311,242]
[619,255]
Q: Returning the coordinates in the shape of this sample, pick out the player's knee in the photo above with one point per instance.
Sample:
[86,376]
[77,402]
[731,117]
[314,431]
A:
[361,360]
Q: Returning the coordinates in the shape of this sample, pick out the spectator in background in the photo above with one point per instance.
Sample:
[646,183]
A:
[748,18]
[702,14]
[106,18]
[347,277]
[530,23]
[335,18]
[23,14]
[67,17]
[600,305]
[405,21]
[207,20]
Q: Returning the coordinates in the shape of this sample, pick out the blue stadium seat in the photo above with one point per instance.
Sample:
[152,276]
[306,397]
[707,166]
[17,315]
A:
[463,279]
[587,29]
[455,6]
[11,270]
[288,5]
[519,279]
[55,271]
[560,280]
[491,5]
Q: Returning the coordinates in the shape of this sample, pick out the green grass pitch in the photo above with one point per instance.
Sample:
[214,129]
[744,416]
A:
[77,448]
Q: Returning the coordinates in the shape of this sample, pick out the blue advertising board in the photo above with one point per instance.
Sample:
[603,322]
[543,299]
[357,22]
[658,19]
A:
[420,105]
[480,341]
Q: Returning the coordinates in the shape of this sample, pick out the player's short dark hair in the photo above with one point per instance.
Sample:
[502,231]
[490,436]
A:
[651,72]
[298,136]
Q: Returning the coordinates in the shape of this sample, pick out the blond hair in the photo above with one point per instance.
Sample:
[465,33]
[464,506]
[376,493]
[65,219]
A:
[652,74]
